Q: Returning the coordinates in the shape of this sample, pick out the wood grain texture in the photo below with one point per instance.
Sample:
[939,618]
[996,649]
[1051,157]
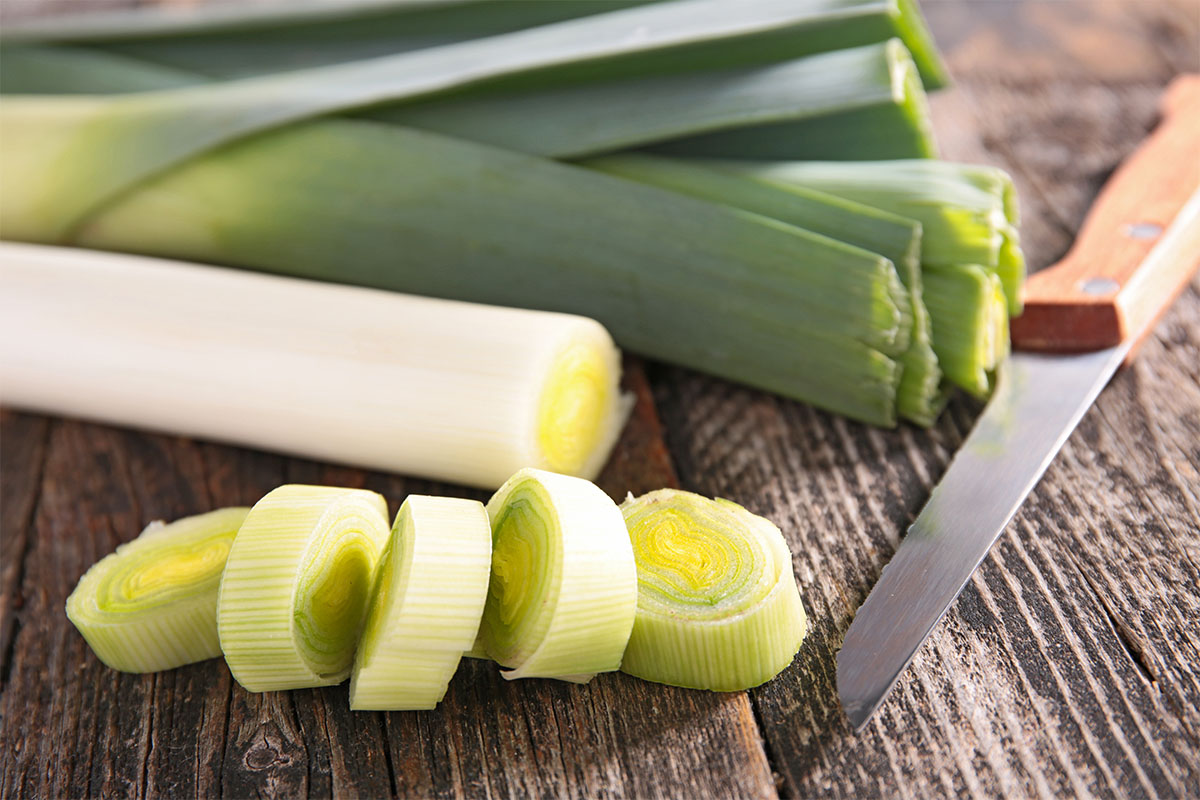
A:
[72,727]
[1066,669]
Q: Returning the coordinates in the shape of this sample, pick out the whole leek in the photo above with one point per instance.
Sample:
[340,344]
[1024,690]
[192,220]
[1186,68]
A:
[456,391]
[152,605]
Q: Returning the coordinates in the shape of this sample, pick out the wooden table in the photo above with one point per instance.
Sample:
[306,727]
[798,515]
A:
[1067,668]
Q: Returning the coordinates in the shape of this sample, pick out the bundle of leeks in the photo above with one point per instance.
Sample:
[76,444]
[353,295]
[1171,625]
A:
[475,151]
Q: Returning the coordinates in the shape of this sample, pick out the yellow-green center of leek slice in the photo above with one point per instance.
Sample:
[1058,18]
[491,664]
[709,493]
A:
[294,593]
[564,584]
[151,605]
[718,606]
[526,576]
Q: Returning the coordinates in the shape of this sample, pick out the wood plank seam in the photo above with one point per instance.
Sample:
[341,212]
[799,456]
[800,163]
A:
[16,587]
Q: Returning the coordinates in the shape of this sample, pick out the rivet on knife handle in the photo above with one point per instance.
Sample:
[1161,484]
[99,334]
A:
[1096,296]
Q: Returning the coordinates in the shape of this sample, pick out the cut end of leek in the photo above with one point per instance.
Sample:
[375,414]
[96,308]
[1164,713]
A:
[718,606]
[581,410]
[426,604]
[563,590]
[152,604]
[294,594]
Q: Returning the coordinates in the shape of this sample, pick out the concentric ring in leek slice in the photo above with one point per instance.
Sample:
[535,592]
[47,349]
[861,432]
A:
[563,588]
[718,606]
[426,604]
[295,589]
[152,605]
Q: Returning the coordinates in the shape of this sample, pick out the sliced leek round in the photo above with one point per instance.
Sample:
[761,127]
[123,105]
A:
[152,605]
[718,606]
[296,584]
[426,604]
[563,588]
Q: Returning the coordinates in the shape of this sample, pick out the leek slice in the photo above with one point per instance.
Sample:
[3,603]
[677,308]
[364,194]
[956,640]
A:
[718,605]
[152,605]
[426,605]
[294,593]
[448,390]
[563,590]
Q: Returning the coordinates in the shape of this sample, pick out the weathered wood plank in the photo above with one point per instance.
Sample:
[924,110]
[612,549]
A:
[1066,668]
[194,732]
[22,455]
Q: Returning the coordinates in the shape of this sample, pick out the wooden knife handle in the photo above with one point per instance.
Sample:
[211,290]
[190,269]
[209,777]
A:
[1105,291]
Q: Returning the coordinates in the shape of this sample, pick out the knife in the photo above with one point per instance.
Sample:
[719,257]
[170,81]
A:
[1083,318]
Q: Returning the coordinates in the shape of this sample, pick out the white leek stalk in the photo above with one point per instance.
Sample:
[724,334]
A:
[718,606]
[456,391]
[425,608]
[564,584]
[152,605]
[294,594]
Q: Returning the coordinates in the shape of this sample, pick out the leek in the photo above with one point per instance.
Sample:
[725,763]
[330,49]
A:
[426,605]
[85,152]
[968,298]
[718,607]
[899,239]
[969,222]
[448,390]
[672,277]
[295,588]
[241,42]
[866,102]
[233,40]
[152,604]
[813,107]
[877,110]
[968,212]
[564,584]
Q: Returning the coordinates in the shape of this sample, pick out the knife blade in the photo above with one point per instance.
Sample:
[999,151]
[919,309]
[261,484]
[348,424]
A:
[1136,251]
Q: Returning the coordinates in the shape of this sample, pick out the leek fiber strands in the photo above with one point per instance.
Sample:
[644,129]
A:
[564,584]
[426,606]
[152,605]
[968,211]
[918,397]
[970,247]
[295,589]
[448,390]
[718,606]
